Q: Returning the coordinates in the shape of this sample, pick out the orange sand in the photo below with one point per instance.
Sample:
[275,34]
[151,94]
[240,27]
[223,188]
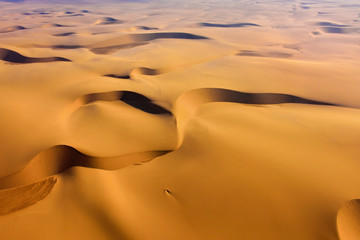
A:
[173,120]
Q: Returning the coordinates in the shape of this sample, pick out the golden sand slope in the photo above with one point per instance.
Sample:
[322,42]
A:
[180,120]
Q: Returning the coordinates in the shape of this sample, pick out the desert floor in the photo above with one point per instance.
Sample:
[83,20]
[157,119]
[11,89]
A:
[174,120]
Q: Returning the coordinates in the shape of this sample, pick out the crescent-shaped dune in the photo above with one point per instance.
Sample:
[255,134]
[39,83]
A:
[12,29]
[59,158]
[15,57]
[107,20]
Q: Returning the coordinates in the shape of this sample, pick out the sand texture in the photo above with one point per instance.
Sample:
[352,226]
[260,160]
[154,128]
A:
[174,120]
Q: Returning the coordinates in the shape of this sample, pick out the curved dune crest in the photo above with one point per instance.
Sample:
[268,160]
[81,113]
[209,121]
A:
[339,30]
[117,76]
[231,25]
[329,27]
[57,47]
[142,38]
[107,20]
[187,104]
[330,24]
[18,198]
[250,53]
[134,40]
[133,99]
[51,25]
[147,71]
[201,96]
[15,57]
[12,29]
[59,158]
[137,28]
[125,42]
[64,34]
[110,49]
[348,220]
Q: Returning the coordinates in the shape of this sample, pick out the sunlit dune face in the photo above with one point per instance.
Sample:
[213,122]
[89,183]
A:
[348,220]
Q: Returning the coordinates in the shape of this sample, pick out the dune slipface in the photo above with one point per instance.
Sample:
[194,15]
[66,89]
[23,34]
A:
[12,29]
[197,120]
[15,57]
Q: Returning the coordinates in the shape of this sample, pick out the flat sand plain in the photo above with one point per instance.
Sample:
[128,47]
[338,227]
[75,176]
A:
[174,120]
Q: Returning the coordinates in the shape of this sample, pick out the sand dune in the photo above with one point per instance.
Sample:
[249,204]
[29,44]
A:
[63,46]
[117,76]
[124,42]
[198,120]
[145,37]
[59,158]
[12,29]
[107,20]
[330,24]
[329,27]
[110,49]
[204,95]
[51,25]
[131,98]
[64,34]
[188,103]
[72,15]
[340,30]
[231,25]
[348,220]
[250,53]
[14,57]
[134,40]
[137,28]
[147,71]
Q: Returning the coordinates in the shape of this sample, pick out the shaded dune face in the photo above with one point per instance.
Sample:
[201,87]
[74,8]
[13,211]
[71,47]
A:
[117,76]
[15,57]
[134,40]
[339,30]
[60,158]
[59,47]
[52,25]
[329,27]
[231,25]
[348,220]
[330,24]
[147,71]
[110,49]
[12,29]
[249,53]
[142,28]
[64,34]
[133,99]
[188,103]
[126,41]
[107,20]
[197,97]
